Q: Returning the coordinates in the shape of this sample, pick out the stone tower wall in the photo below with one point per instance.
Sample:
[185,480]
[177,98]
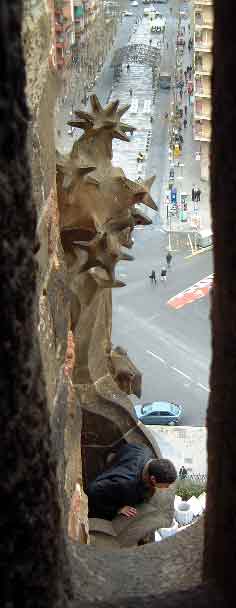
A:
[53,295]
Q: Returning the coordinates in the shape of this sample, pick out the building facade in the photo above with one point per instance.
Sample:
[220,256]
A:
[82,34]
[203,60]
[62,30]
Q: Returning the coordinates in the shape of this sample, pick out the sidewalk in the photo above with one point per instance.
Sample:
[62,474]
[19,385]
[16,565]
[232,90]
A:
[187,169]
[184,445]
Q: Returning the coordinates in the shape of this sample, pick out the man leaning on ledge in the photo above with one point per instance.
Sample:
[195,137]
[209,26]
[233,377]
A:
[131,479]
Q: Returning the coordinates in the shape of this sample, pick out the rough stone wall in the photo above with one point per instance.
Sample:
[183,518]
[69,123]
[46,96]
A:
[53,295]
[32,549]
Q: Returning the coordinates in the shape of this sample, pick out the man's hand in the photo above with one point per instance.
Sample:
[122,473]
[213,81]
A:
[128,511]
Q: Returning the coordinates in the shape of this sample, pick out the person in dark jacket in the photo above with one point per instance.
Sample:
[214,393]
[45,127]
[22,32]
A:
[152,276]
[131,479]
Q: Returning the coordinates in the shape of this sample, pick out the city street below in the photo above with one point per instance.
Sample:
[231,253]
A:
[170,346]
[168,337]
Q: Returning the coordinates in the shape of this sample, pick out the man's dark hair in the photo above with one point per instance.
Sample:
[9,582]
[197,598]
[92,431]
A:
[163,470]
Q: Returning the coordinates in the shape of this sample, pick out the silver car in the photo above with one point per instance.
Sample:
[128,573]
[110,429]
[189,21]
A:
[159,412]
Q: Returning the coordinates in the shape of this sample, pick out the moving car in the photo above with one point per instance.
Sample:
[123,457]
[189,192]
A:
[159,412]
[134,3]
[165,80]
[128,14]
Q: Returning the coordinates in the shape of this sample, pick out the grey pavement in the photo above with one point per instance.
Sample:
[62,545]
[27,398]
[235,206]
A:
[184,446]
[171,347]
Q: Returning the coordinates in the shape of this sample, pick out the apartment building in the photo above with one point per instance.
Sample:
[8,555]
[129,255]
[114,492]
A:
[203,59]
[82,34]
[62,32]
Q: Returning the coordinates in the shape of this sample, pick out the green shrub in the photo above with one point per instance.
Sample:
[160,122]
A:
[187,488]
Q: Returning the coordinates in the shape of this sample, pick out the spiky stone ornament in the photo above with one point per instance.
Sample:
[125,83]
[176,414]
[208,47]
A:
[97,203]
[98,211]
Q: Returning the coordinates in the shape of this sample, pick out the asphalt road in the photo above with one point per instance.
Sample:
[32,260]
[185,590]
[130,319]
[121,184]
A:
[171,347]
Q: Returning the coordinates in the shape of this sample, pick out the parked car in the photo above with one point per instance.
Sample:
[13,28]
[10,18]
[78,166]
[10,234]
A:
[128,14]
[204,238]
[159,412]
[134,3]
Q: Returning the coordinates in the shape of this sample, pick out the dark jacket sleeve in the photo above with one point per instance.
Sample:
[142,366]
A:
[104,498]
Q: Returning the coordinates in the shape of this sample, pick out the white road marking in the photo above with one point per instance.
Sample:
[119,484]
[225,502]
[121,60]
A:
[205,388]
[181,373]
[150,319]
[156,356]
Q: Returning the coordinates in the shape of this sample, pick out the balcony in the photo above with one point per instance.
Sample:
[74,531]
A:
[203,68]
[203,3]
[202,93]
[202,130]
[58,27]
[202,87]
[60,62]
[79,25]
[202,115]
[202,44]
[201,24]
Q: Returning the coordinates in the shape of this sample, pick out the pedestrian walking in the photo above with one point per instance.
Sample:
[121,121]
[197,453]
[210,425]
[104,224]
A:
[193,194]
[185,123]
[185,110]
[163,274]
[181,94]
[183,472]
[128,67]
[198,195]
[168,259]
[150,41]
[152,276]
[131,92]
[185,75]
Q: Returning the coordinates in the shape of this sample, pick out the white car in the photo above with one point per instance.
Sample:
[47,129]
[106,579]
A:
[128,14]
[134,3]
